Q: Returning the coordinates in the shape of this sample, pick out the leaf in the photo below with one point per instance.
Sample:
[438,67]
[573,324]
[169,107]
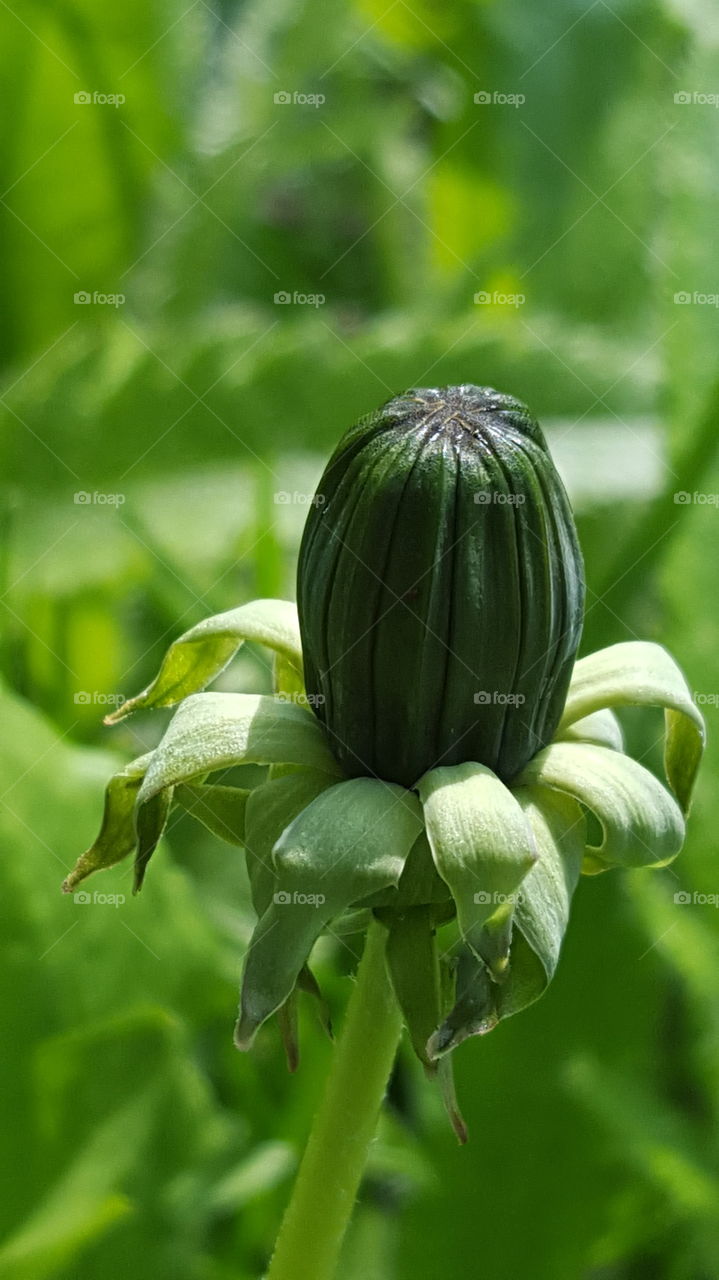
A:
[150,822]
[601,727]
[540,921]
[483,847]
[413,965]
[212,731]
[205,650]
[639,673]
[220,809]
[117,838]
[417,981]
[271,808]
[353,839]
[642,824]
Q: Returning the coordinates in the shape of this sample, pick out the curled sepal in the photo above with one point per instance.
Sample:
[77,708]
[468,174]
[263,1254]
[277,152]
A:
[414,968]
[540,922]
[205,650]
[445,1065]
[288,1024]
[353,839]
[307,982]
[288,1016]
[220,809]
[150,822]
[213,731]
[117,837]
[600,727]
[639,673]
[642,825]
[483,847]
[475,1011]
[270,808]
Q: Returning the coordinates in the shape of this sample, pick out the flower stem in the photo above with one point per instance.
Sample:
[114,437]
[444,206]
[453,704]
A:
[318,1214]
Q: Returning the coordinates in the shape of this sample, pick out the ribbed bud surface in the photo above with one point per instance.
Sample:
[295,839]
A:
[440,587]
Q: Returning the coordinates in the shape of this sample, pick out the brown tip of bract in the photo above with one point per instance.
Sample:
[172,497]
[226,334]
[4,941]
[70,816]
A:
[449,1098]
[459,1125]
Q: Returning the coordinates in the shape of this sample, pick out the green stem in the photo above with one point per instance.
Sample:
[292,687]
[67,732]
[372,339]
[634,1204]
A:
[318,1214]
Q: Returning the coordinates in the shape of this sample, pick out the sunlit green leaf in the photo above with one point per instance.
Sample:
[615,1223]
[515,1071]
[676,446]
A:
[118,837]
[212,731]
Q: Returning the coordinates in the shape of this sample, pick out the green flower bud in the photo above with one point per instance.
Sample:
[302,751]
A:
[440,588]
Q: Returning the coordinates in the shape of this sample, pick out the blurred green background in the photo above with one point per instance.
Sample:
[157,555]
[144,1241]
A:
[167,171]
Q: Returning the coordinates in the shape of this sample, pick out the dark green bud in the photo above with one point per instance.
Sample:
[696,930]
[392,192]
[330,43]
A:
[440,588]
